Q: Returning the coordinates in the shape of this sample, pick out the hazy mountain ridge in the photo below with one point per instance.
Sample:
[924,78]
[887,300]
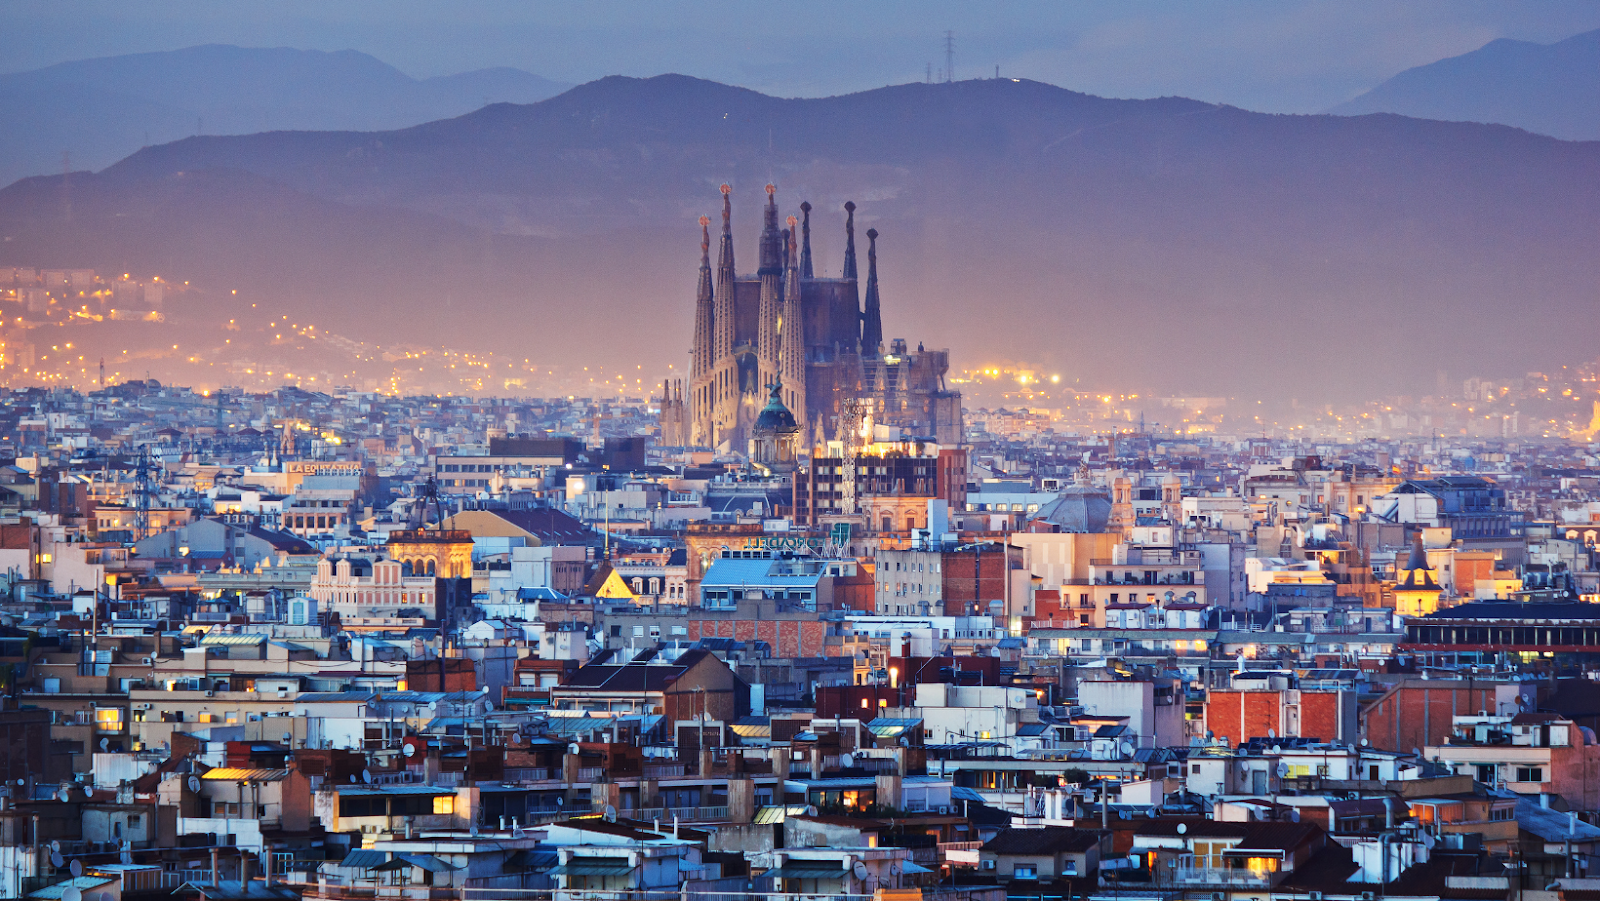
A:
[1164,244]
[100,110]
[1550,89]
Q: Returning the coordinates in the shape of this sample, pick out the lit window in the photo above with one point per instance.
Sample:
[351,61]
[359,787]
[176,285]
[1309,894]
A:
[444,804]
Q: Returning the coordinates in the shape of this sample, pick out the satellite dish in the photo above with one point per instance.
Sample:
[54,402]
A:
[1283,769]
[1271,734]
[611,814]
[75,868]
[105,743]
[21,782]
[860,870]
[288,737]
[56,860]
[473,831]
[55,848]
[409,750]
[194,783]
[1127,749]
[1364,743]
[1183,828]
[1277,749]
[366,776]
[560,801]
[63,796]
[811,810]
[572,748]
[1152,813]
[1415,752]
[1294,815]
[352,778]
[71,893]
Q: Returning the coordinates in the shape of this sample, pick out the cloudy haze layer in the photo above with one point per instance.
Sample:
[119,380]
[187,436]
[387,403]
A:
[1265,56]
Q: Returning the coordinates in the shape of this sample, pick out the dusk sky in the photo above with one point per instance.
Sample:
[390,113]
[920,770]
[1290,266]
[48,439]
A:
[1277,56]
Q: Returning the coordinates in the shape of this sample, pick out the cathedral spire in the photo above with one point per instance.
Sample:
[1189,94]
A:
[725,252]
[771,303]
[723,323]
[792,356]
[850,239]
[700,359]
[871,318]
[805,240]
[771,242]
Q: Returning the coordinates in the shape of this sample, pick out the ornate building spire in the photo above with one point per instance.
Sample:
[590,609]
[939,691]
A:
[850,239]
[771,275]
[871,317]
[723,318]
[805,240]
[792,358]
[771,241]
[700,359]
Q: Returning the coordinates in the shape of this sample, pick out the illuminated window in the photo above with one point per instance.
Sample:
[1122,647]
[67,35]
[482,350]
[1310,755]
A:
[108,719]
[444,804]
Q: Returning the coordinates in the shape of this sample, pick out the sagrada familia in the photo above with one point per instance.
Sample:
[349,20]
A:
[786,337]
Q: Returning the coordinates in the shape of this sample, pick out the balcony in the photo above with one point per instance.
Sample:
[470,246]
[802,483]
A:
[683,814]
[1188,870]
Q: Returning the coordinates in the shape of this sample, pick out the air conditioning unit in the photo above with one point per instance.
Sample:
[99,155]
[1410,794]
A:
[210,693]
[988,865]
[148,661]
[944,810]
[1314,896]
[1369,896]
[141,707]
[1219,896]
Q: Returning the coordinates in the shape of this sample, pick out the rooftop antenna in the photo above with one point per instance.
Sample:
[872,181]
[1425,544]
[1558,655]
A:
[949,56]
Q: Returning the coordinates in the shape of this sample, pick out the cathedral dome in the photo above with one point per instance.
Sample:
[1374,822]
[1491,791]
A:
[1080,508]
[775,417]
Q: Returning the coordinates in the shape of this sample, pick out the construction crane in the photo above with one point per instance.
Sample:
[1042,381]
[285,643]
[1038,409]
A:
[144,489]
[852,413]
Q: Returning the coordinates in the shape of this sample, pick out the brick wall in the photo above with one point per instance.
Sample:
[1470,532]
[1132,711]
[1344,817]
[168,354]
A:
[1415,716]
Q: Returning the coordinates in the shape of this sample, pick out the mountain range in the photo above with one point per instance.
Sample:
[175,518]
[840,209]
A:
[100,110]
[1157,245]
[1551,89]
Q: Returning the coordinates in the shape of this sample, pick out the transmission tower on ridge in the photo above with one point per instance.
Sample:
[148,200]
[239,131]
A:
[949,56]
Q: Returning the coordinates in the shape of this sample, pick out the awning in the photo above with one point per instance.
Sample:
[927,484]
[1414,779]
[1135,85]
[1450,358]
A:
[593,866]
[910,869]
[533,859]
[361,859]
[425,861]
[807,869]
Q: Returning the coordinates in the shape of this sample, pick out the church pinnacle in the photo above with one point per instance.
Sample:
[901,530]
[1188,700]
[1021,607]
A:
[872,316]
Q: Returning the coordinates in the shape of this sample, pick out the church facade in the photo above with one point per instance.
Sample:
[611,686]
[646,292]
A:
[809,336]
